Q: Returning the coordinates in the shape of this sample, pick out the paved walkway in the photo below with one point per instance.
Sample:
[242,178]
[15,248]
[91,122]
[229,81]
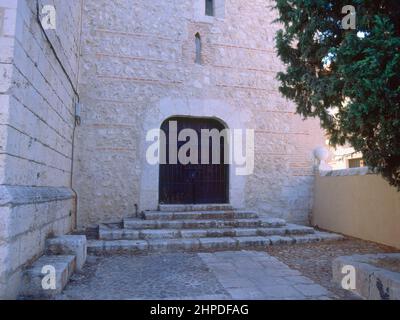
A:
[257,275]
[220,275]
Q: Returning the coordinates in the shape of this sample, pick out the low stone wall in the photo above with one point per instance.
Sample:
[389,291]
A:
[357,203]
[374,280]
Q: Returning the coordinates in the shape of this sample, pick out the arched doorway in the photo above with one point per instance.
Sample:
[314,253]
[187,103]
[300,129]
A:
[194,183]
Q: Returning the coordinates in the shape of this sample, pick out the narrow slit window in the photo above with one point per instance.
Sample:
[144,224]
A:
[209,7]
[198,48]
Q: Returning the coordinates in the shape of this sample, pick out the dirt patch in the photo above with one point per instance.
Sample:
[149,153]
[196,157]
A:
[314,260]
[390,264]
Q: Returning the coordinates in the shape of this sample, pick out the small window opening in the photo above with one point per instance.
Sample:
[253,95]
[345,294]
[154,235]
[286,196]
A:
[209,7]
[198,48]
[356,163]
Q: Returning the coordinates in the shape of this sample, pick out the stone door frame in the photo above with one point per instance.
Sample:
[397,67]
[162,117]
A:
[232,118]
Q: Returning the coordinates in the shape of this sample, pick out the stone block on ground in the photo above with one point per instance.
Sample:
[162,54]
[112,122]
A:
[276,240]
[272,222]
[31,286]
[69,245]
[377,275]
[249,242]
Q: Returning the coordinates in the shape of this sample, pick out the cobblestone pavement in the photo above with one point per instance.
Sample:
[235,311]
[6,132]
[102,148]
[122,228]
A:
[213,276]
[282,272]
[314,260]
[141,277]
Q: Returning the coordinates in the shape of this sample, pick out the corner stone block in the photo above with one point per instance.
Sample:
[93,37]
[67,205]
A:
[69,245]
[33,276]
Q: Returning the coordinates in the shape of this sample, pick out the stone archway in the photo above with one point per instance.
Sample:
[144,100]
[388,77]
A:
[231,117]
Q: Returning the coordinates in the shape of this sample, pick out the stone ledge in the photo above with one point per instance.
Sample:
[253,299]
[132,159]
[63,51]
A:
[373,282]
[13,196]
[346,172]
[31,284]
[69,245]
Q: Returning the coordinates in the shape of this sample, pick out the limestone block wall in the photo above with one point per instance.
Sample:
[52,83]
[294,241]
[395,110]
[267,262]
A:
[36,131]
[136,55]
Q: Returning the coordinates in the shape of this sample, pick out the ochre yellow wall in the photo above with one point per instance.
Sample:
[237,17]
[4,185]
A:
[361,206]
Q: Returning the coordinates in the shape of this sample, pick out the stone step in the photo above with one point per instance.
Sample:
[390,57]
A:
[68,245]
[99,247]
[199,215]
[193,207]
[133,223]
[31,284]
[106,233]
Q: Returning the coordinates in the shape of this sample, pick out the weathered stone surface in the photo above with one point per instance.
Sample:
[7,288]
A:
[247,232]
[296,229]
[271,231]
[193,207]
[373,281]
[272,222]
[32,277]
[143,234]
[159,234]
[99,247]
[118,234]
[69,245]
[317,236]
[327,236]
[156,276]
[199,215]
[23,195]
[140,224]
[200,235]
[218,243]
[200,224]
[194,233]
[280,240]
[310,290]
[125,246]
[23,233]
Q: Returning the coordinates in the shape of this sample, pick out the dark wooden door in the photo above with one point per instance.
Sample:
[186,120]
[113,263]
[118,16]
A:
[194,183]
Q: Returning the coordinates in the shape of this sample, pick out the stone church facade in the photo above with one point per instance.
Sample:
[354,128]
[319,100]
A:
[122,68]
[138,68]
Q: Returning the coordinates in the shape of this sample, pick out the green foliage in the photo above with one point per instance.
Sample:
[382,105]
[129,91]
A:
[350,79]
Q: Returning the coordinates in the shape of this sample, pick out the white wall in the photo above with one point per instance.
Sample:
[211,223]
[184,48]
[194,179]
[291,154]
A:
[36,128]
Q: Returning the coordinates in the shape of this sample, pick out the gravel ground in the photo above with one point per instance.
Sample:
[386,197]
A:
[314,260]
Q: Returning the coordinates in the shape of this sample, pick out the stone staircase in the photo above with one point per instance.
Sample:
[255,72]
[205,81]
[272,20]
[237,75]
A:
[199,228]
